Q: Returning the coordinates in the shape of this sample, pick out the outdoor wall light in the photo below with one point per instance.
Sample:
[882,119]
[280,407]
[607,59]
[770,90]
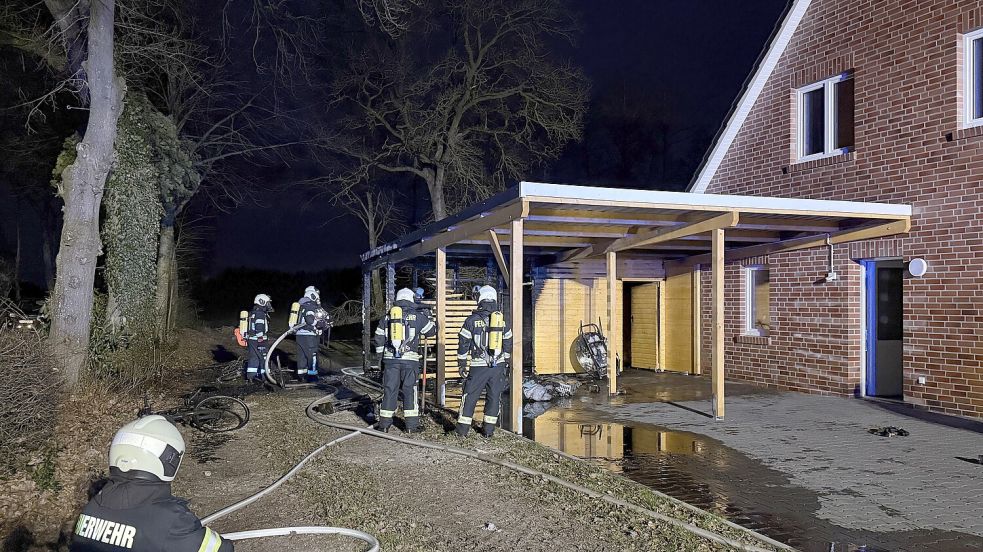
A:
[916,267]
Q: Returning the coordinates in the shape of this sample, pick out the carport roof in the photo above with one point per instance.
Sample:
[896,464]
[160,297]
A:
[569,223]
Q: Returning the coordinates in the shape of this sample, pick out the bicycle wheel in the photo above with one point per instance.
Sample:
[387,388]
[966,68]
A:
[276,373]
[219,414]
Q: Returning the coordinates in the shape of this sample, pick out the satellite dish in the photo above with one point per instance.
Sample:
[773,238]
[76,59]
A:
[917,267]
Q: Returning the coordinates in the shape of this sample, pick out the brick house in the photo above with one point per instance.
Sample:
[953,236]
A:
[862,101]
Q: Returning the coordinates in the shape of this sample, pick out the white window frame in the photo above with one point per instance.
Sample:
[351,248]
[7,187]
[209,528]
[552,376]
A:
[830,123]
[969,70]
[750,301]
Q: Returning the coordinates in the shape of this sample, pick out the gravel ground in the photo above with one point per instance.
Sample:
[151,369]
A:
[416,499]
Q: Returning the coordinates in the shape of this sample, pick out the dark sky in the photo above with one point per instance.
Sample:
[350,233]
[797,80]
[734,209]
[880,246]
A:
[696,52]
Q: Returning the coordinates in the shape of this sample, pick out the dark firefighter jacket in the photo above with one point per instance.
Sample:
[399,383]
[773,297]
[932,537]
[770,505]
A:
[259,323]
[314,318]
[418,324]
[472,333]
[143,516]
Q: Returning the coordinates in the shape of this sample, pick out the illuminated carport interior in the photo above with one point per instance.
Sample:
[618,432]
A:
[542,224]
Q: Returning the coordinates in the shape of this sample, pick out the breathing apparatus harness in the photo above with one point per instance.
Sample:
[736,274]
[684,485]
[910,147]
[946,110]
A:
[491,342]
[400,335]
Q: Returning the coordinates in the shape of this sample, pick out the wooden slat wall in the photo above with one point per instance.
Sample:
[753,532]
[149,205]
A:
[595,268]
[457,312]
[560,305]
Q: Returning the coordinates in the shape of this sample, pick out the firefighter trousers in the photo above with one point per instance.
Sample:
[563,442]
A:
[307,346]
[255,356]
[491,380]
[400,375]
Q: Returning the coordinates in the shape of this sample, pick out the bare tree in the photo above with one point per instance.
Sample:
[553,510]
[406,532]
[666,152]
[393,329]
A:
[469,119]
[83,183]
[377,209]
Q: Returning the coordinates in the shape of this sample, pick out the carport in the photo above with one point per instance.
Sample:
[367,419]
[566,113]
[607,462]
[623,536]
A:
[534,225]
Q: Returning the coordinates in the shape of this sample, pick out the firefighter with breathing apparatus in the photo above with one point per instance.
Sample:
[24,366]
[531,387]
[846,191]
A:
[315,324]
[253,328]
[135,510]
[397,339]
[485,340]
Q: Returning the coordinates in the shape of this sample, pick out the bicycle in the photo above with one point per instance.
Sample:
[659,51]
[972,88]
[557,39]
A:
[205,410]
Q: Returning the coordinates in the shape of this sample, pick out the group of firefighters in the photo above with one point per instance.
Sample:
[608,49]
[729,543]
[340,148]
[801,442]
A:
[136,510]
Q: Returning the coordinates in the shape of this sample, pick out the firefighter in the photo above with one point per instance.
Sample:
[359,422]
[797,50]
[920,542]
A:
[257,340]
[485,340]
[315,321]
[397,339]
[135,510]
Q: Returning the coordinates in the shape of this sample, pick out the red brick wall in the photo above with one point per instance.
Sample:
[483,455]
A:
[906,60]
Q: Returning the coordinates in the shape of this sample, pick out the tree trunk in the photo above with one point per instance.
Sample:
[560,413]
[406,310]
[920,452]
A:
[165,275]
[17,268]
[83,184]
[435,185]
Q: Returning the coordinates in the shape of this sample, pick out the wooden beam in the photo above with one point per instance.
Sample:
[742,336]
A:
[654,236]
[697,322]
[640,218]
[496,247]
[613,326]
[390,284]
[515,293]
[584,252]
[892,228]
[717,331]
[466,229]
[441,292]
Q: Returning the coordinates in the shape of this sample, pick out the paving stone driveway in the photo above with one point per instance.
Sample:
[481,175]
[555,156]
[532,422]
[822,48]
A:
[822,443]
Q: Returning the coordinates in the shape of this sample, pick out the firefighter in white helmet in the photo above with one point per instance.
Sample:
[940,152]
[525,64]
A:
[485,340]
[397,339]
[135,510]
[256,336]
[316,325]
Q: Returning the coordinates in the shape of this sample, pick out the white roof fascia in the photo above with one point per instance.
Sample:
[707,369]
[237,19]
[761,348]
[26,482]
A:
[750,97]
[681,200]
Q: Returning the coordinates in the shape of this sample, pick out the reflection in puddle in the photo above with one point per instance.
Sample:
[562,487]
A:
[686,466]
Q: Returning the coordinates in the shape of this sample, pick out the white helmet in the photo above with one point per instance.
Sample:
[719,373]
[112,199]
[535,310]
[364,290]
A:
[312,293]
[151,445]
[487,293]
[262,300]
[405,294]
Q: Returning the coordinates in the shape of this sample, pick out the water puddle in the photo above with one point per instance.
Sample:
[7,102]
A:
[703,472]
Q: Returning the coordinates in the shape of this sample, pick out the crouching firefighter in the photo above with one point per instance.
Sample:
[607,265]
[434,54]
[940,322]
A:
[135,510]
[315,323]
[254,326]
[485,340]
[397,339]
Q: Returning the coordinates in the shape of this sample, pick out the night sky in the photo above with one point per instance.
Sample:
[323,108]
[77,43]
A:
[695,54]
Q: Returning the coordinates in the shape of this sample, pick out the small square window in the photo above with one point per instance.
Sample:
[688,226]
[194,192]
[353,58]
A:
[757,320]
[973,78]
[825,118]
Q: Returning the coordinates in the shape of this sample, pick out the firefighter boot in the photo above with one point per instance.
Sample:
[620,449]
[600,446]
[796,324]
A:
[463,429]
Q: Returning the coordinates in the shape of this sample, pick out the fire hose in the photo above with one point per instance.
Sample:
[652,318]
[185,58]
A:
[374,543]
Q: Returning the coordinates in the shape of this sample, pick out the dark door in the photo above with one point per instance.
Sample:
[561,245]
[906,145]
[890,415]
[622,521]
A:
[885,328]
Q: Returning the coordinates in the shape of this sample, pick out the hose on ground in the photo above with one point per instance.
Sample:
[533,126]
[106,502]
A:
[285,531]
[269,353]
[699,531]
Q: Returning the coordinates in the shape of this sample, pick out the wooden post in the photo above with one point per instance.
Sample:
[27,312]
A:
[441,292]
[697,321]
[366,318]
[612,271]
[515,293]
[717,334]
[390,285]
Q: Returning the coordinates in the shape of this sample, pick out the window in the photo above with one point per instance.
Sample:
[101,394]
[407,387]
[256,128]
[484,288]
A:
[825,118]
[758,317]
[973,78]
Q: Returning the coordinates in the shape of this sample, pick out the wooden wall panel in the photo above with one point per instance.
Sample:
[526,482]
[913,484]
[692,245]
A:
[559,306]
[645,326]
[678,332]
